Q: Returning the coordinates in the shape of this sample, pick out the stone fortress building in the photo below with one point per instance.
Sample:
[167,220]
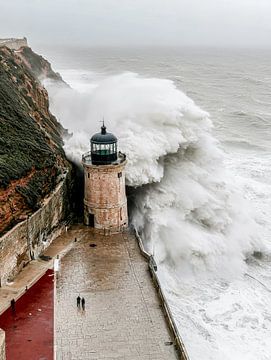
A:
[14,44]
[105,202]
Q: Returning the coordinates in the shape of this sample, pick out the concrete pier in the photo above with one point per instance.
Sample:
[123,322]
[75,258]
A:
[123,318]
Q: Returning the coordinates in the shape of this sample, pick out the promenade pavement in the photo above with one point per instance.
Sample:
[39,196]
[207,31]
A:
[123,318]
[34,271]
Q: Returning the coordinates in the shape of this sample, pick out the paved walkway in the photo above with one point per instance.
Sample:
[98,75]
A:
[123,318]
[34,271]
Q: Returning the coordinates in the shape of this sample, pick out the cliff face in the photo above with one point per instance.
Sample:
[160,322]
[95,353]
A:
[31,155]
[39,66]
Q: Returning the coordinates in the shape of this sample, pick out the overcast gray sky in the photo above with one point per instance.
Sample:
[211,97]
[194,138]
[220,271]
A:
[139,22]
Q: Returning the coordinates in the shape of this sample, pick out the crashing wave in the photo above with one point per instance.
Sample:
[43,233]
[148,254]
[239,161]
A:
[186,206]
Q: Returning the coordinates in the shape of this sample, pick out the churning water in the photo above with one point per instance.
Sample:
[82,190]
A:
[202,178]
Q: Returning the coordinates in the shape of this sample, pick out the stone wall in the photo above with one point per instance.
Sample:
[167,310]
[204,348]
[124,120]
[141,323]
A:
[30,237]
[13,44]
[2,345]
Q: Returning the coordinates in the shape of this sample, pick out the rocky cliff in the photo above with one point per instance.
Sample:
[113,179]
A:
[40,67]
[31,156]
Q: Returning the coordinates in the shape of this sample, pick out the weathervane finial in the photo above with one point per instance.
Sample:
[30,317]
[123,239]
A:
[103,128]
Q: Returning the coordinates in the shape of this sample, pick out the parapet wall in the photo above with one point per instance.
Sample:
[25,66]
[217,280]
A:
[14,44]
[2,345]
[178,342]
[29,238]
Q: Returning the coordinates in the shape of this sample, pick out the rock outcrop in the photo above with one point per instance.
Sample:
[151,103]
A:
[32,159]
[40,67]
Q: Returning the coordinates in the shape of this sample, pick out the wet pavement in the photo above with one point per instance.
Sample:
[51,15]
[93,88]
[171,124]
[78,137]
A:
[29,326]
[32,336]
[123,317]
[34,271]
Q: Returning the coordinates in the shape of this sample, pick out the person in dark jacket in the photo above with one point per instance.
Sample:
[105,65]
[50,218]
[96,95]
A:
[13,307]
[83,304]
[78,301]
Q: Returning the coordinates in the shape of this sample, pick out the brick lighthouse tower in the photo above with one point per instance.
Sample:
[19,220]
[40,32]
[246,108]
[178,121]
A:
[105,203]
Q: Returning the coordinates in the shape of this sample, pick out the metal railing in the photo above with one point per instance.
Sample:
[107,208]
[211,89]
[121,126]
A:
[178,342]
[86,155]
[86,158]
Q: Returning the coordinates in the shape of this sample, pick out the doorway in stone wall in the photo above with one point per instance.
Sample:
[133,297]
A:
[91,220]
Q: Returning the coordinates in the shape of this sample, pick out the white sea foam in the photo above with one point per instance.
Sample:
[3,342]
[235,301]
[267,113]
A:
[187,208]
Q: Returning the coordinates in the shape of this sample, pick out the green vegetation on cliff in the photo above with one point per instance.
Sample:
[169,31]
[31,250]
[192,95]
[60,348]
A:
[30,137]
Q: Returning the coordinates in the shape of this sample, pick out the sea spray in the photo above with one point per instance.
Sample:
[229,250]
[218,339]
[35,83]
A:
[219,318]
[187,210]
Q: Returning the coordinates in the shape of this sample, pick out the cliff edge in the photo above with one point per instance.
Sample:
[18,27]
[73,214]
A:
[40,67]
[14,43]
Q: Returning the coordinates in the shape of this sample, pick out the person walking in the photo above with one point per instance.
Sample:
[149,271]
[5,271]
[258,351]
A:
[13,307]
[83,304]
[78,301]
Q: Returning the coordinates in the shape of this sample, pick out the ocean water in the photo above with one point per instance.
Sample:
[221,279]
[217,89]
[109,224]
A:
[195,125]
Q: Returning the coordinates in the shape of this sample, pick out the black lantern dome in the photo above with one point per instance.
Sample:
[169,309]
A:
[103,148]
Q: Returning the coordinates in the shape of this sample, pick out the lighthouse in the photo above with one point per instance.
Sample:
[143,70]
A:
[105,202]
